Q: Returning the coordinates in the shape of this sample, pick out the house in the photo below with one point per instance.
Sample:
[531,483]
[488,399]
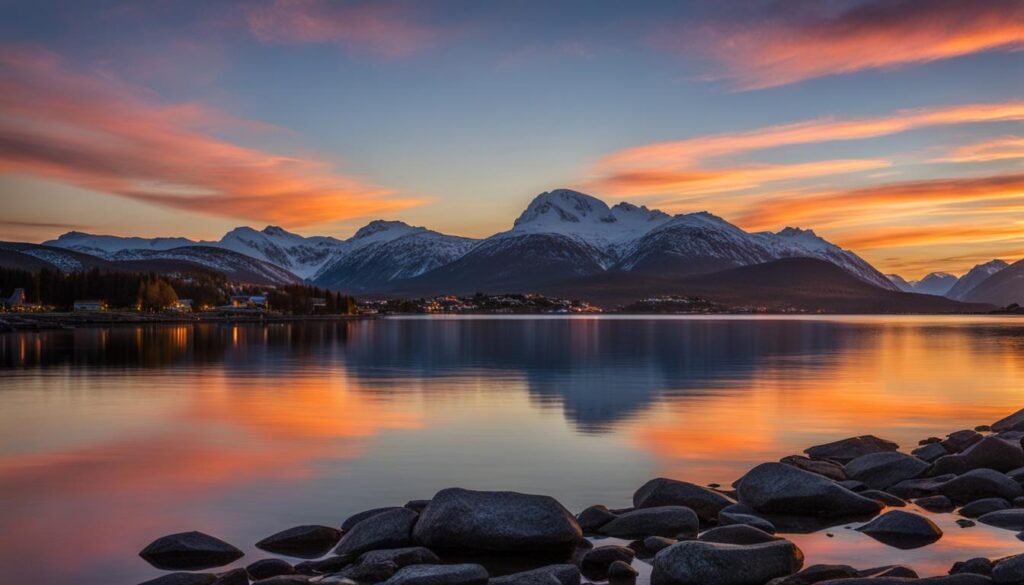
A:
[181,305]
[90,305]
[250,301]
[16,300]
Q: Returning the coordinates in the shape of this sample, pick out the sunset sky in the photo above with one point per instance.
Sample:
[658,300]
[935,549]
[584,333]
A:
[891,127]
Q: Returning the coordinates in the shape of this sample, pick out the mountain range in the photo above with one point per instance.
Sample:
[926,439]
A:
[979,285]
[564,241]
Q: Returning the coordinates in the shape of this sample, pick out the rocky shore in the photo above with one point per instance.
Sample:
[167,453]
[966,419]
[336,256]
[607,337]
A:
[688,534]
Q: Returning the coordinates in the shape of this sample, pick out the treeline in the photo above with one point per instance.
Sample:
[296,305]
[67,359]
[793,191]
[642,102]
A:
[301,299]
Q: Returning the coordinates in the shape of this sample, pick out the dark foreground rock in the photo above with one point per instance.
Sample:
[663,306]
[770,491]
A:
[737,534]
[354,519]
[183,579]
[903,530]
[1009,570]
[669,521]
[402,557]
[390,529]
[1012,519]
[593,518]
[467,520]
[962,579]
[266,568]
[847,450]
[701,563]
[776,488]
[669,492]
[980,483]
[466,574]
[189,551]
[306,542]
[550,575]
[984,506]
[1014,422]
[881,470]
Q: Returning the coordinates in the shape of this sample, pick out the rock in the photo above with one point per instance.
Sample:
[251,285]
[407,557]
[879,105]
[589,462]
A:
[286,580]
[849,449]
[700,563]
[1012,519]
[374,572]
[737,534]
[1018,502]
[390,529]
[621,571]
[596,562]
[417,505]
[817,574]
[266,568]
[898,571]
[963,579]
[983,506]
[1016,475]
[354,519]
[549,575]
[980,483]
[983,428]
[669,492]
[884,497]
[183,579]
[670,521]
[961,440]
[852,485]
[189,551]
[593,518]
[465,574]
[902,530]
[233,577]
[881,470]
[727,518]
[919,488]
[990,452]
[468,520]
[964,523]
[306,542]
[1013,422]
[402,557]
[936,504]
[831,470]
[775,488]
[978,566]
[1008,571]
[653,544]
[324,566]
[929,452]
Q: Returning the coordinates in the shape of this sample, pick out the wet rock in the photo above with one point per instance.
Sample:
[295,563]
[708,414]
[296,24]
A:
[962,579]
[989,452]
[593,518]
[881,470]
[929,452]
[929,441]
[849,449]
[853,485]
[1016,475]
[919,488]
[983,506]
[1013,422]
[596,562]
[266,568]
[324,566]
[354,519]
[700,563]
[653,544]
[983,428]
[833,471]
[964,523]
[884,497]
[737,534]
[980,483]
[189,551]
[670,521]
[286,580]
[549,575]
[373,572]
[817,574]
[183,579]
[896,571]
[465,574]
[936,504]
[469,520]
[233,577]
[621,571]
[978,566]
[390,529]
[402,557]
[781,489]
[903,530]
[1008,571]
[727,518]
[660,492]
[306,542]
[417,505]
[961,440]
[1012,519]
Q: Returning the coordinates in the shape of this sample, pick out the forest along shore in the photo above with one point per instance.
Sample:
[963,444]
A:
[688,534]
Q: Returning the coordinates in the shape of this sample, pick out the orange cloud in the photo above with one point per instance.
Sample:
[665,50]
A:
[113,138]
[1005,148]
[385,29]
[877,34]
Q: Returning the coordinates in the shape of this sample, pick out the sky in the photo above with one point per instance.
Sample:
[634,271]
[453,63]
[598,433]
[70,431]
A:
[894,128]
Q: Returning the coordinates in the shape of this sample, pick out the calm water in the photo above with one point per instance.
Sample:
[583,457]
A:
[112,437]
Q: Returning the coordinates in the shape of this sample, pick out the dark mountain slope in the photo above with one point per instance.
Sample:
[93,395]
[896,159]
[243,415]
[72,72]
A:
[1002,288]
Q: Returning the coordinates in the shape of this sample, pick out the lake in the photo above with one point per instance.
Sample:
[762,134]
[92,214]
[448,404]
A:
[111,437]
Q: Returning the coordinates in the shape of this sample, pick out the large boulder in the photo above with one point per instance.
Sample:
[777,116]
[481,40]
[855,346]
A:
[189,551]
[849,449]
[596,562]
[881,470]
[670,521]
[903,530]
[402,557]
[466,574]
[817,574]
[961,579]
[775,488]
[961,440]
[729,518]
[989,452]
[549,575]
[267,568]
[670,492]
[1013,422]
[980,483]
[594,517]
[984,506]
[183,579]
[930,452]
[829,469]
[1009,571]
[919,488]
[307,542]
[737,534]
[466,520]
[358,517]
[375,572]
[1012,519]
[391,529]
[700,563]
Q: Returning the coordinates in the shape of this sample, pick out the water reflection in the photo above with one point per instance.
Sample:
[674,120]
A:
[112,436]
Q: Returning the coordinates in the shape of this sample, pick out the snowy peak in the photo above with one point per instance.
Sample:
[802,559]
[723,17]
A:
[564,206]
[936,283]
[380,229]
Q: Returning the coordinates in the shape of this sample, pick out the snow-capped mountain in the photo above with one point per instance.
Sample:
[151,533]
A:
[235,265]
[900,282]
[968,282]
[1002,288]
[936,283]
[303,256]
[107,246]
